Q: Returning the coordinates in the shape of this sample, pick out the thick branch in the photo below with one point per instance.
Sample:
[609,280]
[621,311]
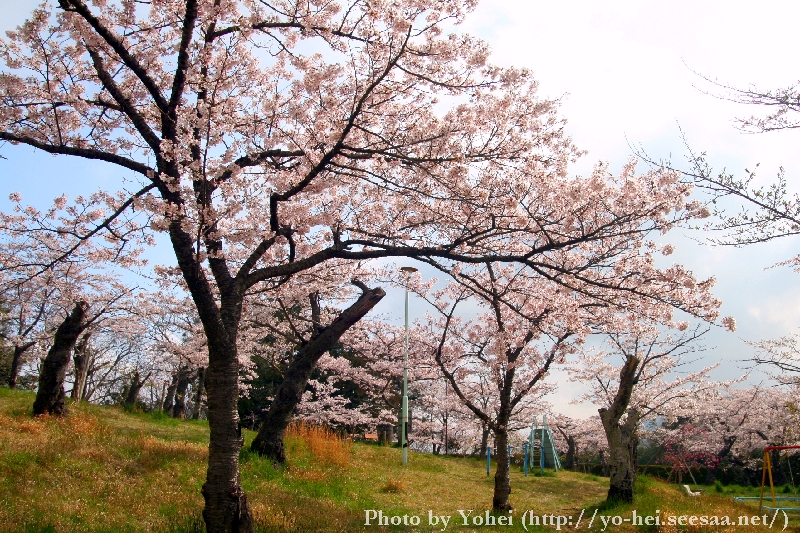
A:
[87,153]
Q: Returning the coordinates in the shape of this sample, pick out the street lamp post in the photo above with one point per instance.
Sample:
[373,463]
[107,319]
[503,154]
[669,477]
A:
[404,422]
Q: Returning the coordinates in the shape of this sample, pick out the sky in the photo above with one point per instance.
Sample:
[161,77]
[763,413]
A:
[627,74]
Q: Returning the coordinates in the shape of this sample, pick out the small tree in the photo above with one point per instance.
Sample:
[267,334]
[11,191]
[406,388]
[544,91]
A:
[642,387]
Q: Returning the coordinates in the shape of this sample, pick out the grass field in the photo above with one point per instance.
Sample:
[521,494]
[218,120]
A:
[106,470]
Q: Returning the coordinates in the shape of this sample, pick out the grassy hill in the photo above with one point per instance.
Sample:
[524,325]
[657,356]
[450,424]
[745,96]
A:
[106,470]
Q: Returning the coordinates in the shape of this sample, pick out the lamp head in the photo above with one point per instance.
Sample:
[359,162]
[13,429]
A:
[408,269]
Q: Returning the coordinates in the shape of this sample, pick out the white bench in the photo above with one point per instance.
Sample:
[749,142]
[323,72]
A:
[689,491]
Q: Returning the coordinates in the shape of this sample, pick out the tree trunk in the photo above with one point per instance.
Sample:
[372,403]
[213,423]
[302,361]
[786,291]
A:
[226,509]
[269,441]
[622,444]
[135,386]
[502,482]
[778,475]
[622,438]
[16,361]
[384,434]
[169,400]
[89,388]
[484,440]
[50,396]
[179,405]
[569,463]
[80,360]
[198,402]
[604,464]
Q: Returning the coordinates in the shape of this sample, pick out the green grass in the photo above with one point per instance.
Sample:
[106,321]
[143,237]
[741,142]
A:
[105,470]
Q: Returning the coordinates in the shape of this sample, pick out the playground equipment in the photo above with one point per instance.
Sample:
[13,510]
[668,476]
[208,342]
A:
[541,448]
[777,502]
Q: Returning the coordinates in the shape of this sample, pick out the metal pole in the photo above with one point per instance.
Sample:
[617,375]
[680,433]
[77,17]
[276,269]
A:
[405,388]
[541,449]
[525,460]
[404,422]
[488,460]
[446,413]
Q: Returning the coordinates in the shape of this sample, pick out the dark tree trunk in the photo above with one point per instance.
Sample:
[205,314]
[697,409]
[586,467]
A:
[727,446]
[198,402]
[50,396]
[179,405]
[572,448]
[622,437]
[269,441]
[226,509]
[16,361]
[622,444]
[384,434]
[484,440]
[170,398]
[604,463]
[80,360]
[136,385]
[778,475]
[502,481]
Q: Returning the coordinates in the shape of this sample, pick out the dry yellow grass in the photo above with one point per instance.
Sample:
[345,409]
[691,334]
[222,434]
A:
[394,484]
[325,445]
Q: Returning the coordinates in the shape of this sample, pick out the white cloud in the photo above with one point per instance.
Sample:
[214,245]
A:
[779,310]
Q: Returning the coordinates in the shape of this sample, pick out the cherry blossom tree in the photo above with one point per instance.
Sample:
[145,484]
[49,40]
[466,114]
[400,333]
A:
[113,302]
[380,346]
[307,344]
[567,432]
[36,287]
[728,418]
[643,386]
[100,357]
[29,304]
[579,439]
[442,424]
[34,245]
[527,324]
[358,374]
[732,426]
[176,335]
[268,138]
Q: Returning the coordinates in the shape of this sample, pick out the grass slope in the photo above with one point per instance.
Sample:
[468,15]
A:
[105,470]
